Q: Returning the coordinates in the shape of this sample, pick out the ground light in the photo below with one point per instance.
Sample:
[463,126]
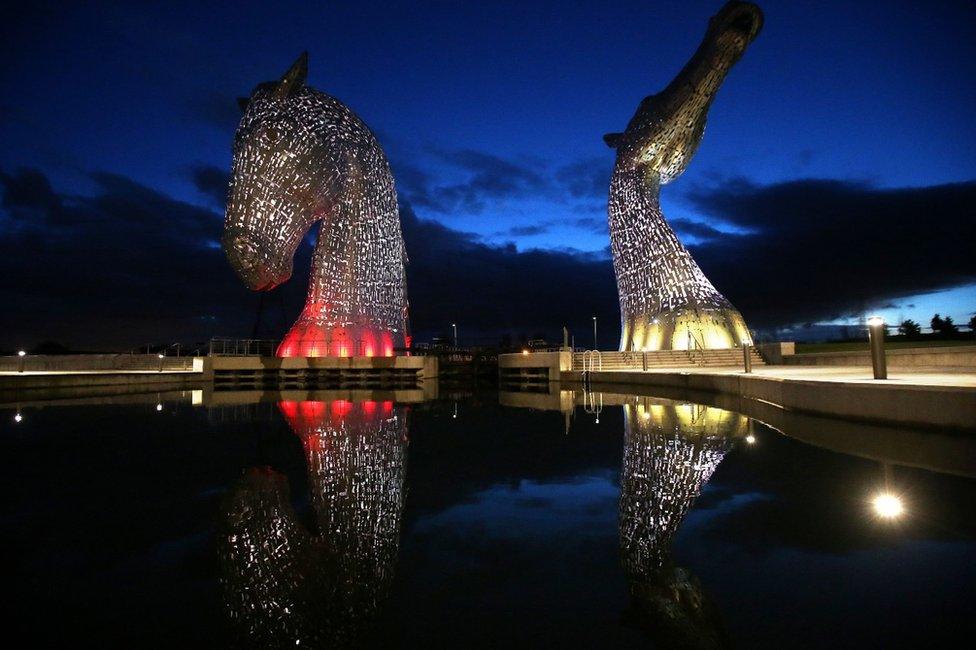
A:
[751,439]
[18,418]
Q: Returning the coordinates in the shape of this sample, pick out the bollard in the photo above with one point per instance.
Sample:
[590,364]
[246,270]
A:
[21,354]
[746,356]
[876,331]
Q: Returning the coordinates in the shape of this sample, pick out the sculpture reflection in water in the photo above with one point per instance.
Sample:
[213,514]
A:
[670,452]
[288,586]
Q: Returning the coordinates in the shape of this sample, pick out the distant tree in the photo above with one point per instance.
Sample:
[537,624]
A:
[944,326]
[972,323]
[910,329]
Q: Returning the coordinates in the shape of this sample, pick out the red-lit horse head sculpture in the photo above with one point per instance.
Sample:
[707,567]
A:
[301,157]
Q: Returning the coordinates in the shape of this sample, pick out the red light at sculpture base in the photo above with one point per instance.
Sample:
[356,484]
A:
[309,339]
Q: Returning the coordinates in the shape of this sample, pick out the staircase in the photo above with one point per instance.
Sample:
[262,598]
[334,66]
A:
[729,357]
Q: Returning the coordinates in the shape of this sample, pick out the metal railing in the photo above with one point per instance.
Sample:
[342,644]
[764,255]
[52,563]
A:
[95,363]
[242,347]
[608,361]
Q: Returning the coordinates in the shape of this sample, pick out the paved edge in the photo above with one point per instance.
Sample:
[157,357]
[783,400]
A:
[912,405]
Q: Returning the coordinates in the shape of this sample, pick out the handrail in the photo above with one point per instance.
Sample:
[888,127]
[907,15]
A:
[242,347]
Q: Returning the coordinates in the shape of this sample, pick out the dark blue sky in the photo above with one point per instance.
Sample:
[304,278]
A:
[492,114]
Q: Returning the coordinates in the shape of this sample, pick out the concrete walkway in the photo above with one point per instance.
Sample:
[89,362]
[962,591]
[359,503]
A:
[963,378]
[45,373]
[917,398]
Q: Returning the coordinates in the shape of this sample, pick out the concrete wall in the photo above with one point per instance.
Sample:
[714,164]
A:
[774,353]
[98,363]
[39,381]
[917,406]
[427,366]
[554,363]
[954,356]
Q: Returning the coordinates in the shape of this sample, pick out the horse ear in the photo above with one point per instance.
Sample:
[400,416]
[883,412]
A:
[243,102]
[294,79]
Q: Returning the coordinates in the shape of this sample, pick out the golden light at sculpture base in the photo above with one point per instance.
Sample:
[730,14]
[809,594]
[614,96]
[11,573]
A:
[687,330]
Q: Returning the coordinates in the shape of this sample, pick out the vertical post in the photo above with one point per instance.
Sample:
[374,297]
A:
[21,354]
[747,356]
[454,325]
[596,345]
[565,338]
[876,331]
[161,356]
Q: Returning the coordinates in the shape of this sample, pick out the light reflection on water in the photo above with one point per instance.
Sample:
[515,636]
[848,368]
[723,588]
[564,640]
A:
[519,518]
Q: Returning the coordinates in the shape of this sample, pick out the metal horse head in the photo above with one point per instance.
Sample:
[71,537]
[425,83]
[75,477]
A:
[301,156]
[666,302]
[667,127]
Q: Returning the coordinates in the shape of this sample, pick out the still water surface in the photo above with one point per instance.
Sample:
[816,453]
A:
[479,520]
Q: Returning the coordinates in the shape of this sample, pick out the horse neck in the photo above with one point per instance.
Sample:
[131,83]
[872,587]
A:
[359,254]
[654,270]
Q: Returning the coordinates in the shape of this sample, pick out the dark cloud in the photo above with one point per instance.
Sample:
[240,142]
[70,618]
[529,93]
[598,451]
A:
[588,178]
[596,225]
[822,248]
[695,231]
[126,266]
[29,194]
[489,177]
[212,182]
[453,276]
[528,231]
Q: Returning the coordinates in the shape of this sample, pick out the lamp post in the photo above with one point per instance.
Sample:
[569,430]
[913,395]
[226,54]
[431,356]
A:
[747,356]
[161,357]
[876,330]
[21,354]
[596,345]
[454,326]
